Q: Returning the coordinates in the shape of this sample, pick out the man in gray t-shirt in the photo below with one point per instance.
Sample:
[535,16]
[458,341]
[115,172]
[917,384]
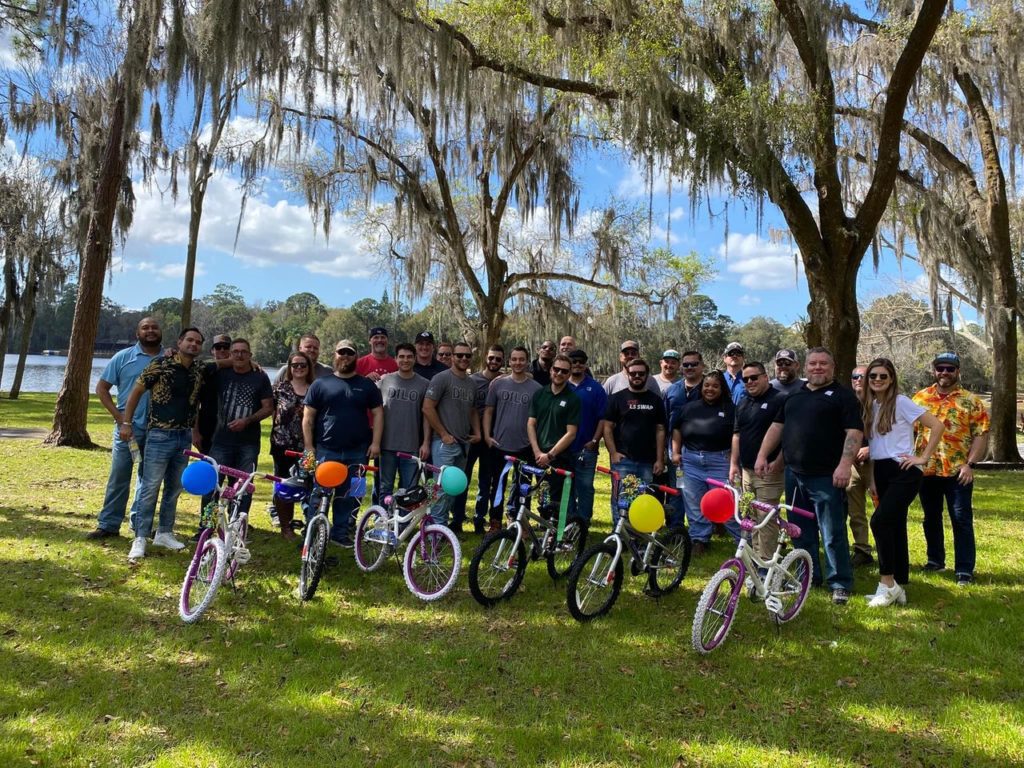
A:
[402,393]
[508,402]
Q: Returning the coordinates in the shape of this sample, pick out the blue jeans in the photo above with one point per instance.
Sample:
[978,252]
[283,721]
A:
[816,493]
[344,509]
[629,467]
[453,455]
[935,490]
[698,466]
[241,457]
[391,465]
[164,464]
[115,501]
[584,467]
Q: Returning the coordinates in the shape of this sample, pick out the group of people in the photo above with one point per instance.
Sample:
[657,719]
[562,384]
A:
[825,446]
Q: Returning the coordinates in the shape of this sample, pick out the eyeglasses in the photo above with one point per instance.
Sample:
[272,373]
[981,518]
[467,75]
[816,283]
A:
[857,376]
[689,365]
[563,371]
[495,359]
[751,379]
[735,353]
[221,345]
[299,365]
[637,374]
[345,352]
[945,369]
[878,376]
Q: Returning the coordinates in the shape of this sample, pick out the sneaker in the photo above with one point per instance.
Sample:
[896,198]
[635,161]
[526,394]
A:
[167,541]
[861,558]
[964,579]
[138,550]
[101,533]
[840,596]
[933,567]
[885,596]
[479,527]
[698,548]
[272,511]
[345,541]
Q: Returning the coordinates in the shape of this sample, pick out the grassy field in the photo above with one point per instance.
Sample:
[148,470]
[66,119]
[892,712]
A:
[96,669]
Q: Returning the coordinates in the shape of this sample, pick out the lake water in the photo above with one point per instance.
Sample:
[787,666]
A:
[45,373]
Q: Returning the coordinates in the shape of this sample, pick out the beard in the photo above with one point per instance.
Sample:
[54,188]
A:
[345,365]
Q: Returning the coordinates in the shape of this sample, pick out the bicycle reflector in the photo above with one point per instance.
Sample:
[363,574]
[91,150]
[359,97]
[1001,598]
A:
[199,478]
[290,490]
[717,505]
[646,513]
[331,474]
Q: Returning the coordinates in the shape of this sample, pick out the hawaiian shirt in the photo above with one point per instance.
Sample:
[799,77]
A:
[174,392]
[965,418]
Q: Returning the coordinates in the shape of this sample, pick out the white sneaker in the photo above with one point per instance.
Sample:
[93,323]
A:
[880,590]
[167,541]
[138,550]
[887,596]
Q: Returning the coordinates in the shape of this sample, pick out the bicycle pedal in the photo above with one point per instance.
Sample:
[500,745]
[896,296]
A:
[773,604]
[242,556]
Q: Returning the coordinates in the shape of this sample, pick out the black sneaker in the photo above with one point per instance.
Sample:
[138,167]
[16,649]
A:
[101,533]
[345,542]
[933,567]
[840,596]
[197,535]
[964,579]
[861,558]
[479,527]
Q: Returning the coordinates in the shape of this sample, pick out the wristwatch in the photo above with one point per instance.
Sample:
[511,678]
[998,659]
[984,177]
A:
[972,464]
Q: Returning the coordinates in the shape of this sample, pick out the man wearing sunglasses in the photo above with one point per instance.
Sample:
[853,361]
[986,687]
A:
[733,359]
[540,368]
[584,449]
[949,476]
[787,372]
[629,351]
[335,427]
[553,423]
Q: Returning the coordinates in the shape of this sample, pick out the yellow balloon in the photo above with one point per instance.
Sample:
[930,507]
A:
[646,514]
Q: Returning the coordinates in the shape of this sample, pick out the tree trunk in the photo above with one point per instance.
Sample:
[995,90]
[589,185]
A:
[28,320]
[7,309]
[834,317]
[198,193]
[70,414]
[1003,419]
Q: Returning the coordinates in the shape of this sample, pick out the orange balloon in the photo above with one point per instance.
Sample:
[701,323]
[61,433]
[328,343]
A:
[717,505]
[331,474]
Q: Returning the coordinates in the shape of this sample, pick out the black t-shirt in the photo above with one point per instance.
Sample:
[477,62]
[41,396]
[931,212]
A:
[239,396]
[429,371]
[341,406]
[706,427]
[753,417]
[814,427]
[636,416]
[541,376]
[207,422]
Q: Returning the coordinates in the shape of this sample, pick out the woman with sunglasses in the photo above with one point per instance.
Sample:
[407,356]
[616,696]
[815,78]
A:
[286,434]
[889,419]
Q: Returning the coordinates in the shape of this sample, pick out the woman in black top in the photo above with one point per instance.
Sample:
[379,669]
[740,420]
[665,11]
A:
[701,446]
[286,434]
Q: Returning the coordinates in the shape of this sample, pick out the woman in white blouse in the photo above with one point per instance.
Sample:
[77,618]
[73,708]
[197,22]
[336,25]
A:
[889,419]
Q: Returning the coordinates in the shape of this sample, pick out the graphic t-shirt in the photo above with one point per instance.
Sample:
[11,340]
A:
[455,398]
[511,403]
[636,416]
[239,396]
[403,412]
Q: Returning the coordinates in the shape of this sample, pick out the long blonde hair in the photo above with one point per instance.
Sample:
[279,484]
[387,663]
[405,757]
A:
[886,403]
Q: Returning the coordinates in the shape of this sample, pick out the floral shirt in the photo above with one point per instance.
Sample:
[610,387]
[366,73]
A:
[174,392]
[965,418]
[287,429]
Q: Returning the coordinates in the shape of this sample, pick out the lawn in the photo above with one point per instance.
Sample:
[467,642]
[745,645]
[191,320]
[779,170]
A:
[96,669]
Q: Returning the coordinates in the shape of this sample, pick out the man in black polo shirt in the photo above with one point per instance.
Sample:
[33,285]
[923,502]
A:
[820,429]
[754,415]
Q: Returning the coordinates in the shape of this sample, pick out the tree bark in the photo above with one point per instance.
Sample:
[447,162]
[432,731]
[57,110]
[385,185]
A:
[9,307]
[28,298]
[833,314]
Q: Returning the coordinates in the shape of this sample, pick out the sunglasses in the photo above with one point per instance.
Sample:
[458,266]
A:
[784,363]
[345,352]
[299,365]
[857,376]
[444,354]
[221,345]
[495,359]
[690,365]
[878,376]
[735,353]
[751,379]
[945,369]
[563,371]
[637,374]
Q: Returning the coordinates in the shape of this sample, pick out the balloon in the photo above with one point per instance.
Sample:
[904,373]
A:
[718,505]
[199,478]
[646,513]
[331,474]
[453,480]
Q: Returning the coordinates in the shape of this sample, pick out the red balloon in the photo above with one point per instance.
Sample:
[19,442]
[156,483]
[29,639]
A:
[718,505]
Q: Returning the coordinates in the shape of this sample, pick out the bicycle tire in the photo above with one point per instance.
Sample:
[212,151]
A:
[585,603]
[790,583]
[670,563]
[503,566]
[716,610]
[574,541]
[243,533]
[314,552]
[370,553]
[206,570]
[432,576]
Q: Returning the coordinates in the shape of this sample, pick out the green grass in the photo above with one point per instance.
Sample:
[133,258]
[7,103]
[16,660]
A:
[97,669]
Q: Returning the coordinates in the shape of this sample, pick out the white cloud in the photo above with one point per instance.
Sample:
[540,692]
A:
[164,271]
[659,235]
[760,264]
[637,184]
[746,300]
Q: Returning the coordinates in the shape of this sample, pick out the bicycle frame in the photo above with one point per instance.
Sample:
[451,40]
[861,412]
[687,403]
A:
[626,536]
[524,516]
[403,527]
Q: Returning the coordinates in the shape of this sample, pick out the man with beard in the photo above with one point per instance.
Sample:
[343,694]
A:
[540,368]
[552,424]
[584,448]
[121,372]
[787,372]
[629,351]
[335,428]
[309,345]
[378,363]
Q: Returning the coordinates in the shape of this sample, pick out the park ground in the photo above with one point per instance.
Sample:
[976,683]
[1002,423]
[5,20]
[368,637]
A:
[96,669]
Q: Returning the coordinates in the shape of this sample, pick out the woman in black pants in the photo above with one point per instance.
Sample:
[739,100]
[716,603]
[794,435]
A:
[286,434]
[889,419]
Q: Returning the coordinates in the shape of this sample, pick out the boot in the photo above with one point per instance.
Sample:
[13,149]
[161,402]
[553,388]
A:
[285,514]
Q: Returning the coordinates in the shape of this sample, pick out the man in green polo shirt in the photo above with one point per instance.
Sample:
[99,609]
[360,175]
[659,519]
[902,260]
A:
[554,418]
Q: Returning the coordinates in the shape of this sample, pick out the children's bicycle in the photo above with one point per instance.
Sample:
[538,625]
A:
[433,557]
[595,580]
[781,583]
[499,563]
[221,549]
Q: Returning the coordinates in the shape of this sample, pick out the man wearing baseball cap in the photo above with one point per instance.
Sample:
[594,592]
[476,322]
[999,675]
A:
[378,363]
[787,372]
[733,359]
[629,351]
[427,365]
[669,370]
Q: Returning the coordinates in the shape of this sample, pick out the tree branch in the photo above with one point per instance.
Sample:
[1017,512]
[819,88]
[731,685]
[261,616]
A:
[520,277]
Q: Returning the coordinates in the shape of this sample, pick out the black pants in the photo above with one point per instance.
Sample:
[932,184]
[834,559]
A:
[896,490]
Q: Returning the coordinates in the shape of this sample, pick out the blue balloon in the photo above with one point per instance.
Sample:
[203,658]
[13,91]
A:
[453,480]
[199,478]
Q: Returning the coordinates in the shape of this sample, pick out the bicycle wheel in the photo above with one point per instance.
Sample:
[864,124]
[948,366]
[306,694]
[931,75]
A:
[373,539]
[594,585]
[669,564]
[789,586]
[563,555]
[715,610]
[204,575]
[432,562]
[235,557]
[497,567]
[314,550]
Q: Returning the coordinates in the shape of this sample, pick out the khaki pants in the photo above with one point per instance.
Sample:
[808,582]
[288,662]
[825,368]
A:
[856,502]
[768,489]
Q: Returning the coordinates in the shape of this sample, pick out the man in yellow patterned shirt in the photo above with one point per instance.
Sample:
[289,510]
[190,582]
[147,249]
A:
[949,475]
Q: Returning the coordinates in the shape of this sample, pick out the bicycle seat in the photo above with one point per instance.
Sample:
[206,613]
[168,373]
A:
[412,497]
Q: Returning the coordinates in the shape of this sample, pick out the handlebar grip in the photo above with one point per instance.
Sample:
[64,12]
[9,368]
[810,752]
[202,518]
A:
[513,459]
[716,483]
[294,454]
[404,455]
[802,512]
[667,489]
[604,470]
[764,506]
[194,455]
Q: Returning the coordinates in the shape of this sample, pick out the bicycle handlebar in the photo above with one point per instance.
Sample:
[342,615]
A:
[360,467]
[763,506]
[231,471]
[420,462]
[556,470]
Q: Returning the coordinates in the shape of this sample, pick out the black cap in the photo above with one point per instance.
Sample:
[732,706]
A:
[378,331]
[425,336]
[578,354]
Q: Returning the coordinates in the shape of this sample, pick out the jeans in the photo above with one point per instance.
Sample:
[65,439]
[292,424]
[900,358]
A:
[441,455]
[164,464]
[629,467]
[343,512]
[241,457]
[816,493]
[961,514]
[115,501]
[896,490]
[482,457]
[698,466]
[584,467]
[390,466]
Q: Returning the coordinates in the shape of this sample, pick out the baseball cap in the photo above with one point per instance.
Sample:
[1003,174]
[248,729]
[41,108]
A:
[378,331]
[670,354]
[425,336]
[733,346]
[947,358]
[346,344]
[786,354]
[629,344]
[578,354]
[221,338]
